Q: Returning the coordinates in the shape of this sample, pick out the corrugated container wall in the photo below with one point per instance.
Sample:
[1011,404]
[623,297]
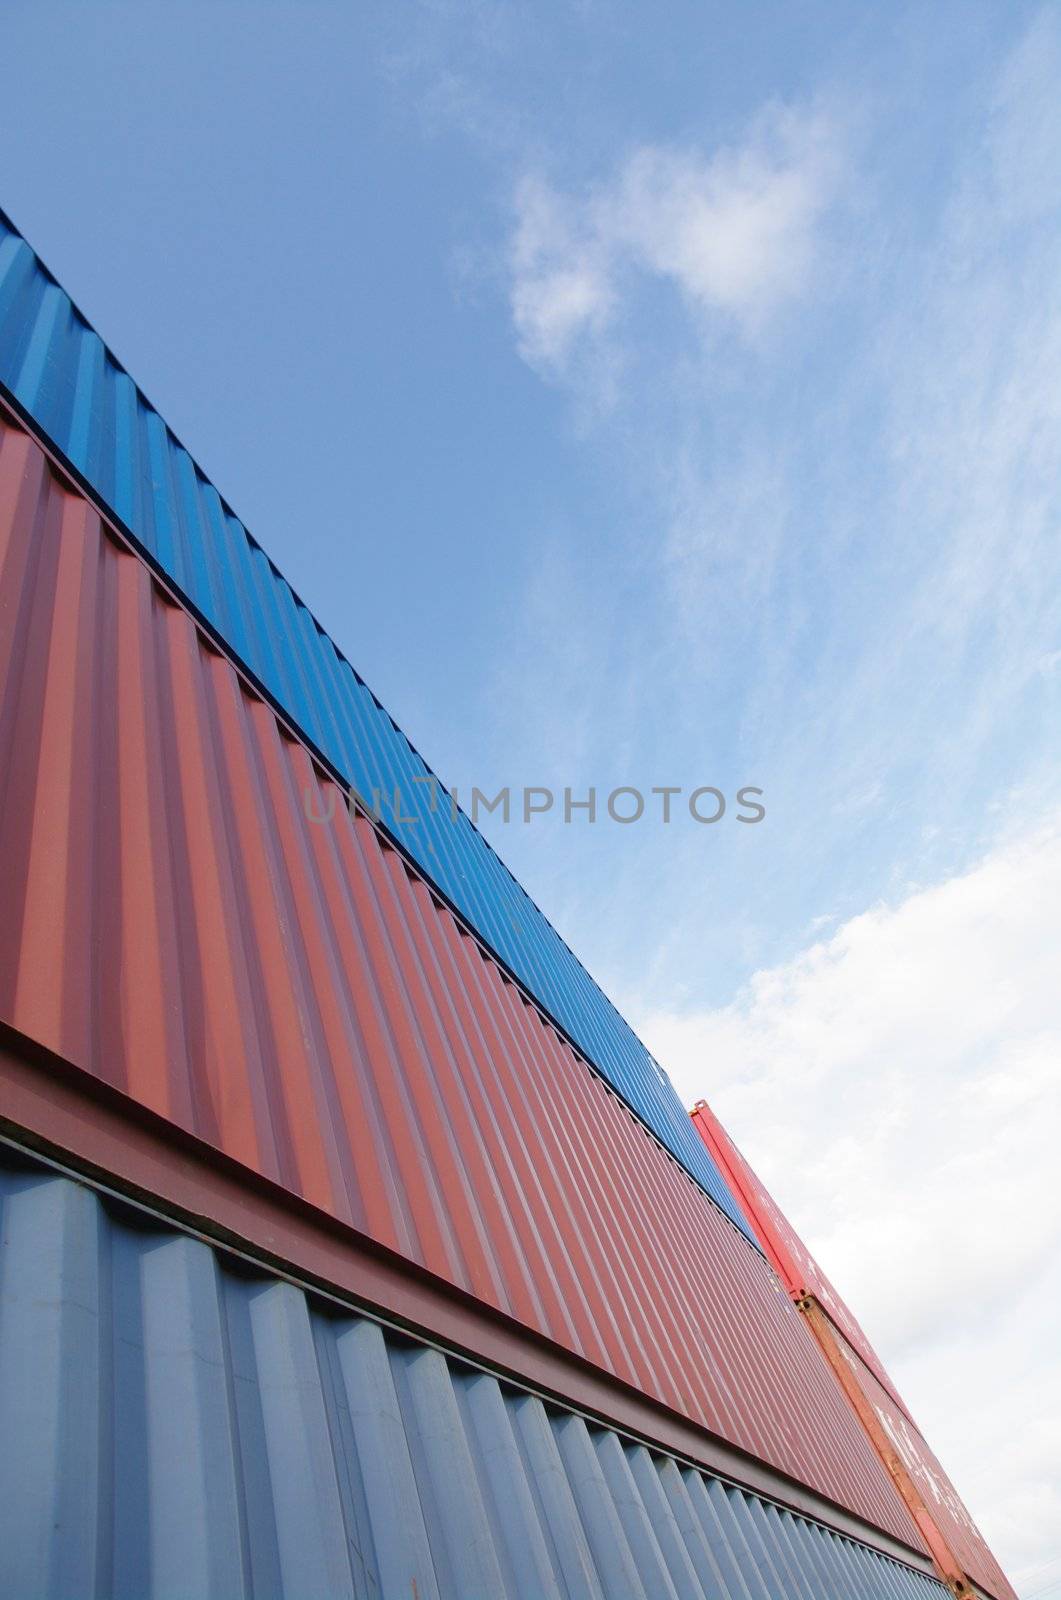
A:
[785,1250]
[946,1507]
[802,1276]
[64,378]
[371,1046]
[174,1424]
[290,992]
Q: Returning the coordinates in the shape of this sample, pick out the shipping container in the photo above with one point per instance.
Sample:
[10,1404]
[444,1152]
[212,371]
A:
[785,1250]
[178,1421]
[63,378]
[933,1500]
[181,924]
[351,1241]
[952,1536]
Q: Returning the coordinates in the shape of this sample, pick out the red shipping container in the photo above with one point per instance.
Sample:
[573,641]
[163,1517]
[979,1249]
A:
[950,1531]
[785,1250]
[178,924]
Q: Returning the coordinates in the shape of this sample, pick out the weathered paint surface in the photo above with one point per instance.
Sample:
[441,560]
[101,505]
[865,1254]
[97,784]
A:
[287,990]
[63,376]
[172,1426]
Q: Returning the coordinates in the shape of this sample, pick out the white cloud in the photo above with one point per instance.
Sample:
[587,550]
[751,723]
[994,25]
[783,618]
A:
[845,536]
[849,585]
[898,1086]
[560,275]
[734,230]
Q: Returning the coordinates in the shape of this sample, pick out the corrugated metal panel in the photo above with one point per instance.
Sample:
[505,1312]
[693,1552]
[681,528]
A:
[784,1248]
[66,380]
[944,1504]
[289,992]
[802,1276]
[175,1427]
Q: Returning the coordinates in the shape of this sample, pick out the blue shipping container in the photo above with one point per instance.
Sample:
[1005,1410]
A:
[68,384]
[178,1423]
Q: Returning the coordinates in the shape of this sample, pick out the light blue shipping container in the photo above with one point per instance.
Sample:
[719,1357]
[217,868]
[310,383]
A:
[178,1423]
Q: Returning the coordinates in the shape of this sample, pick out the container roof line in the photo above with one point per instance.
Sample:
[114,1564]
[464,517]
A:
[53,388]
[291,730]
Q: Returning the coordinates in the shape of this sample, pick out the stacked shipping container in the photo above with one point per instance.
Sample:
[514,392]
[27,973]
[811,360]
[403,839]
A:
[224,993]
[180,1423]
[949,1531]
[290,993]
[60,374]
[785,1250]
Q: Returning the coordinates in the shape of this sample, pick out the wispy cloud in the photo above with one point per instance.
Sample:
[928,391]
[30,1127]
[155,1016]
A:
[816,364]
[732,230]
[561,275]
[898,1087]
[842,518]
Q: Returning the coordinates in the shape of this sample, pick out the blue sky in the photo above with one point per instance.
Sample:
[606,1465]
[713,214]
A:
[691,536]
[665,399]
